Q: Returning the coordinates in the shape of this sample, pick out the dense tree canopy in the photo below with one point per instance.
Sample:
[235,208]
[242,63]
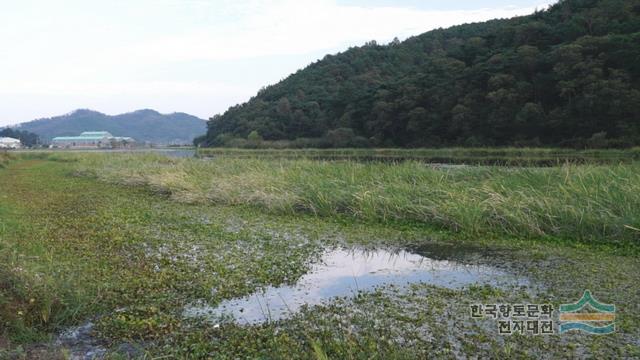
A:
[26,138]
[566,76]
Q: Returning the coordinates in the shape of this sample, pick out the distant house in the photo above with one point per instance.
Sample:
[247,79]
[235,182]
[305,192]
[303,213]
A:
[92,140]
[9,143]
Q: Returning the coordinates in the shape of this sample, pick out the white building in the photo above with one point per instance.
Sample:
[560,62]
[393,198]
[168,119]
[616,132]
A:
[9,143]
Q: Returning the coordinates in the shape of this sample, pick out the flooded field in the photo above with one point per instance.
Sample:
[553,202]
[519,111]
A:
[153,256]
[345,273]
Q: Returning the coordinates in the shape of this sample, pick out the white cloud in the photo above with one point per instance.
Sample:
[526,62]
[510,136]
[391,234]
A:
[86,48]
[139,88]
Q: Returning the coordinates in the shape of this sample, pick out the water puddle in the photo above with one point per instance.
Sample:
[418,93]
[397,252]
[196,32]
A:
[81,344]
[343,273]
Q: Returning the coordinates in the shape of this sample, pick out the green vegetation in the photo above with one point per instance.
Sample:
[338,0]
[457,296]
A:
[26,138]
[584,203]
[77,246]
[142,125]
[4,158]
[566,76]
[468,156]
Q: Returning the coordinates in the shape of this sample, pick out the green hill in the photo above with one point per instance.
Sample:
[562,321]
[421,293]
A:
[142,125]
[565,76]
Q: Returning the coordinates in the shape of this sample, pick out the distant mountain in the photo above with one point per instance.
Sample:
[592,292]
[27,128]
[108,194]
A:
[567,76]
[142,125]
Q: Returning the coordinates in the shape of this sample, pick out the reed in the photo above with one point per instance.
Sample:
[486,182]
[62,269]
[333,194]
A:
[578,202]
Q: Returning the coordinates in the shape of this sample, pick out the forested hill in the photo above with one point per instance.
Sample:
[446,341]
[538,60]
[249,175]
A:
[142,125]
[568,75]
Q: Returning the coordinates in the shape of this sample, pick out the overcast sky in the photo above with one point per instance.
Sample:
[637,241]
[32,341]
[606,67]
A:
[193,56]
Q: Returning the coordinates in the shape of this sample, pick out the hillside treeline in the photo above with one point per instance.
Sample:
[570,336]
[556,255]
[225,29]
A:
[564,76]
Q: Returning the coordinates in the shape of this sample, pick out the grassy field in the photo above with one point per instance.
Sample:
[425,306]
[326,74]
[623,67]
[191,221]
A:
[126,241]
[469,156]
[589,203]
[4,158]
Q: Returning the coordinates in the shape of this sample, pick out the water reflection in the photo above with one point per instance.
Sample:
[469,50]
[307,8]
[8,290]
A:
[344,273]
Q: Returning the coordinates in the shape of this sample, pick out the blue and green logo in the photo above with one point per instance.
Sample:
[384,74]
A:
[573,316]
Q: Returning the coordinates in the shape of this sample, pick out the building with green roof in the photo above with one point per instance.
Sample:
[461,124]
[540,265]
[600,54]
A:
[92,140]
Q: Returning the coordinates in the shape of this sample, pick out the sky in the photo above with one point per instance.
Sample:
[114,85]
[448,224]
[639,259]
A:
[193,56]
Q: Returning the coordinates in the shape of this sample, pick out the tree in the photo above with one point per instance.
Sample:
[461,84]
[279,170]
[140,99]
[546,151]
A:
[341,137]
[555,77]
[254,137]
[27,138]
[284,107]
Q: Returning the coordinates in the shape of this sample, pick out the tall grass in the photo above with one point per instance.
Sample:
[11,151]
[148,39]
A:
[4,158]
[473,156]
[586,203]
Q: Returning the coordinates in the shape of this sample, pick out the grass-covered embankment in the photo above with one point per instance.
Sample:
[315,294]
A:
[469,156]
[589,203]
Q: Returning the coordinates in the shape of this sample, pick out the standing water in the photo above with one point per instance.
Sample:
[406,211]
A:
[343,273]
[177,152]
